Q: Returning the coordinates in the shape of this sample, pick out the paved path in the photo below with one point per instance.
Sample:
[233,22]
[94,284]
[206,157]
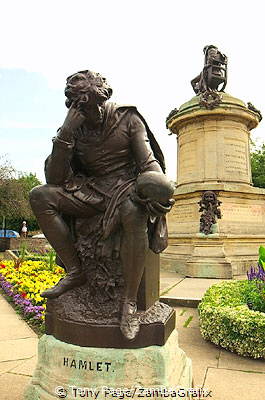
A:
[227,375]
[18,349]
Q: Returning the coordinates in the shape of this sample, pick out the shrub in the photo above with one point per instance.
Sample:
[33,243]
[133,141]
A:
[227,321]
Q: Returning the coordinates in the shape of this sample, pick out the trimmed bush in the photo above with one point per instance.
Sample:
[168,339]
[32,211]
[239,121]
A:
[227,321]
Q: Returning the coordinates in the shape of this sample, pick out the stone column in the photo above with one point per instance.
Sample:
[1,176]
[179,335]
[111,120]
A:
[214,154]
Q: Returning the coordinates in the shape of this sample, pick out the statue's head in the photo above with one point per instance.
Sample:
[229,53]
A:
[209,197]
[87,87]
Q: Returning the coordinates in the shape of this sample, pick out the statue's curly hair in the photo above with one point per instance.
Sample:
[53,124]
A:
[86,87]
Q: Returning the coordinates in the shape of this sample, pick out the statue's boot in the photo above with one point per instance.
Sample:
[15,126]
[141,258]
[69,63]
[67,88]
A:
[73,279]
[130,324]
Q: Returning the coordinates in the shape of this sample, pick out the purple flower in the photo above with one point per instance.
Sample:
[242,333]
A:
[25,305]
[256,273]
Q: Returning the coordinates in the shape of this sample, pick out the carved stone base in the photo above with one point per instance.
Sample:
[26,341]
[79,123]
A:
[63,370]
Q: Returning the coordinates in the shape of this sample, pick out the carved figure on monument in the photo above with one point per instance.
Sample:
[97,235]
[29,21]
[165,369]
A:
[103,206]
[253,108]
[210,211]
[213,75]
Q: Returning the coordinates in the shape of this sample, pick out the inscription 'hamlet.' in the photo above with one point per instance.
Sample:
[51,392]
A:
[87,365]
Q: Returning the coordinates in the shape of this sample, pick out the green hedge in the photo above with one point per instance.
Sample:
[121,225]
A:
[226,320]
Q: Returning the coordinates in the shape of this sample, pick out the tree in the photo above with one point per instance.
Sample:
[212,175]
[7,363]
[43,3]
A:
[6,170]
[257,157]
[14,194]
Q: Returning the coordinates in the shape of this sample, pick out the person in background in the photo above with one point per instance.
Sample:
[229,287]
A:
[24,229]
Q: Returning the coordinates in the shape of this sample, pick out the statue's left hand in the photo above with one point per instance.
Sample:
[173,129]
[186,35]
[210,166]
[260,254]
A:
[73,120]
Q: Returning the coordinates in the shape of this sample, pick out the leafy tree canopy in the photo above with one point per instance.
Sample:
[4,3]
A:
[14,195]
[257,157]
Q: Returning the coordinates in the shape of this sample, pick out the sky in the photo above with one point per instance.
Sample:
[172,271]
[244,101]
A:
[148,50]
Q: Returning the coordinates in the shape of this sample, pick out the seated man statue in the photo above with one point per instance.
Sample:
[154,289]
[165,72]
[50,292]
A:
[104,161]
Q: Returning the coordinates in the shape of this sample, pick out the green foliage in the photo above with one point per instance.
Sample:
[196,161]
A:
[23,250]
[28,181]
[262,256]
[257,157]
[255,295]
[49,258]
[227,321]
[14,195]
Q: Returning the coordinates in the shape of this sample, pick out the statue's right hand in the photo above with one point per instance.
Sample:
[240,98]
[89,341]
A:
[73,121]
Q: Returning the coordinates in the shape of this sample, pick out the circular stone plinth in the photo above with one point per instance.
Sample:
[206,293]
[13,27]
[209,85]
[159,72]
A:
[226,320]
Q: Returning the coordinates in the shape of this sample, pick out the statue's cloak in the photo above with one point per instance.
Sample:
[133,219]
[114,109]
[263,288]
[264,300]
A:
[107,191]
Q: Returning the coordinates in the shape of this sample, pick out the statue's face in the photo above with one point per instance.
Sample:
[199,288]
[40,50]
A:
[93,112]
[209,197]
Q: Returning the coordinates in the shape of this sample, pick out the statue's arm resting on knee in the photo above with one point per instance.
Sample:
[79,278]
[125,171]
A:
[58,165]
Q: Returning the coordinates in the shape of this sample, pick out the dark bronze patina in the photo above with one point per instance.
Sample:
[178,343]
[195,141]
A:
[253,108]
[214,74]
[103,206]
[210,211]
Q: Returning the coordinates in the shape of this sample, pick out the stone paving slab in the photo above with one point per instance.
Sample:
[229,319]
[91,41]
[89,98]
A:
[234,361]
[26,367]
[203,354]
[192,288]
[18,349]
[7,366]
[12,325]
[177,290]
[168,280]
[13,386]
[187,317]
[234,385]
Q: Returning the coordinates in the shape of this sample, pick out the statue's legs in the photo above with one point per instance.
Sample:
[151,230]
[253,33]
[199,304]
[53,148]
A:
[134,246]
[48,203]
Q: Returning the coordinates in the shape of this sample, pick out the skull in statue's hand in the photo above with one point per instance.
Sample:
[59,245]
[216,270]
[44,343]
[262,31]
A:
[156,191]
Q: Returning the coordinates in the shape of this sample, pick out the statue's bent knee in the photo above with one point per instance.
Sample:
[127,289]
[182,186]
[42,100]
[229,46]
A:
[39,196]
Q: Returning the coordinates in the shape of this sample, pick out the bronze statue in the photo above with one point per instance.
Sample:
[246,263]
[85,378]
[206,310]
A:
[106,169]
[214,72]
[209,208]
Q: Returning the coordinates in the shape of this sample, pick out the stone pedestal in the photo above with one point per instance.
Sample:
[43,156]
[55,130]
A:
[213,154]
[63,370]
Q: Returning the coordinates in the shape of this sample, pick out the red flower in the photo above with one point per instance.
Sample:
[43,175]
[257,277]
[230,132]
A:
[24,294]
[3,266]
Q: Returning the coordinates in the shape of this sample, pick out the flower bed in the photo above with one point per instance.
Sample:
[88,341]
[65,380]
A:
[24,282]
[227,321]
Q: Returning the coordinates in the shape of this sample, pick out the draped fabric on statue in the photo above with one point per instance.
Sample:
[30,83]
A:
[107,187]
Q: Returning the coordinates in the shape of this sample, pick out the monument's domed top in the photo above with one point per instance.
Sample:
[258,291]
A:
[226,99]
[212,103]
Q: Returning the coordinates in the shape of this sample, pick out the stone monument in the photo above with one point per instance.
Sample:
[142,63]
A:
[103,211]
[217,223]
